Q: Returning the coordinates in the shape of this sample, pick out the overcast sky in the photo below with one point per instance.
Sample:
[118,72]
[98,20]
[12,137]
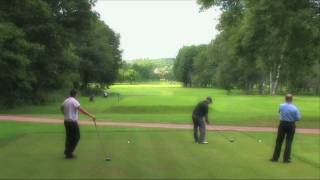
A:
[158,28]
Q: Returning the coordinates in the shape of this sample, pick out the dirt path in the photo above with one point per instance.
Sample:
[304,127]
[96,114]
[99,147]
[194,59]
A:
[25,118]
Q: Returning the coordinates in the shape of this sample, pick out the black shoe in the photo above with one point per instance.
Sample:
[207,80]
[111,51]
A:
[286,161]
[273,160]
[70,156]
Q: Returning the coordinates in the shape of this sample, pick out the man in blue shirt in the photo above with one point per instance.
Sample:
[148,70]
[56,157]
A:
[289,114]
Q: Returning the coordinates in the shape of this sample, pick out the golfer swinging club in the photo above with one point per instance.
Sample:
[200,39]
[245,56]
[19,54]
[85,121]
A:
[200,118]
[70,108]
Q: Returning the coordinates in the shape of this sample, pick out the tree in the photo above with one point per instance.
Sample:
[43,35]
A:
[44,42]
[145,68]
[15,75]
[267,43]
[183,67]
[100,55]
[204,70]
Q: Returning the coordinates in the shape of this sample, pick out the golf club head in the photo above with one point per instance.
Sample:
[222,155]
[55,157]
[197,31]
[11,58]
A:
[108,158]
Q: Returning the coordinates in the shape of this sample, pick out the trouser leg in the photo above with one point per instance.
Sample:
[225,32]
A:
[195,129]
[289,138]
[68,138]
[279,141]
[75,136]
[202,125]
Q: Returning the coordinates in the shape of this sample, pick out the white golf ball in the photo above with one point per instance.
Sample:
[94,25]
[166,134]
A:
[259,140]
[128,142]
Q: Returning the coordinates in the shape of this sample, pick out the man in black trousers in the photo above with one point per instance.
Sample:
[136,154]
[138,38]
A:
[69,109]
[200,118]
[289,114]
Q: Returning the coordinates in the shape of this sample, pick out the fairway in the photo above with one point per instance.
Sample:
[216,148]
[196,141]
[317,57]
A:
[210,89]
[36,150]
[171,103]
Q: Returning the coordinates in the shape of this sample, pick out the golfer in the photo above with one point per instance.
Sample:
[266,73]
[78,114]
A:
[70,108]
[200,118]
[289,114]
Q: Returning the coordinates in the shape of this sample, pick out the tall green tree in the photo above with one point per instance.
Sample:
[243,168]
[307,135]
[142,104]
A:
[100,56]
[270,44]
[44,44]
[183,67]
[204,69]
[16,55]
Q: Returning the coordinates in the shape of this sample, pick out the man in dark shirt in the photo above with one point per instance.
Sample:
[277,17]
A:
[200,118]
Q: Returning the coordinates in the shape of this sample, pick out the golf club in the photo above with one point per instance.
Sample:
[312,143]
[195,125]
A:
[229,139]
[108,158]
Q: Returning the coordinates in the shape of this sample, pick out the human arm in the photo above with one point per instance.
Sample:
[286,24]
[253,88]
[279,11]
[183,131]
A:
[85,112]
[279,109]
[62,109]
[194,119]
[298,115]
[206,113]
[207,119]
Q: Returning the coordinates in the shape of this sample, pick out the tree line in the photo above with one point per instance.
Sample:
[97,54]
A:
[48,46]
[141,70]
[262,45]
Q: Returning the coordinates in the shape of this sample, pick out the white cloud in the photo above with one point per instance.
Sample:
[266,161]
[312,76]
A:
[157,29]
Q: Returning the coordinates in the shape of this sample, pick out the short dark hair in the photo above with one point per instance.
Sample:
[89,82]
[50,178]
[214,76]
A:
[289,97]
[209,99]
[73,92]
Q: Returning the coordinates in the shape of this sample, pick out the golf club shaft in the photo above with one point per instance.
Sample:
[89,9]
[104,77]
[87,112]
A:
[223,135]
[95,124]
[102,147]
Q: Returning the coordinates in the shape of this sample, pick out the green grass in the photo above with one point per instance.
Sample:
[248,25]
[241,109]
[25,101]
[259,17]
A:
[30,150]
[170,103]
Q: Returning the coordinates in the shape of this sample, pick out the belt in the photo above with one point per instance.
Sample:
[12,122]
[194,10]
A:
[69,120]
[287,122]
